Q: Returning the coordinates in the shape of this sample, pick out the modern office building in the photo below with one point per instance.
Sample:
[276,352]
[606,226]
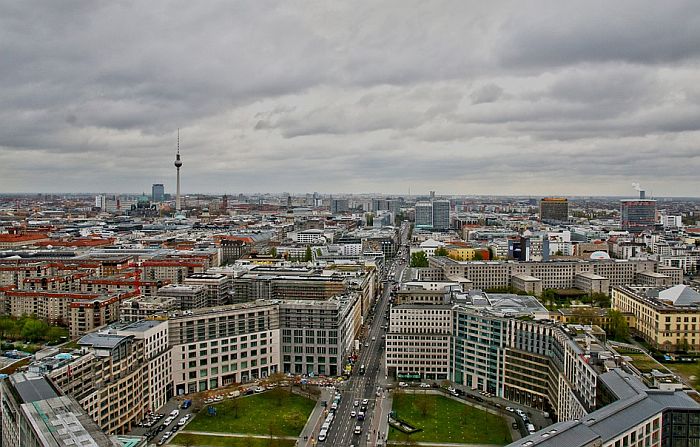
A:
[418,341]
[158,193]
[218,346]
[36,414]
[632,415]
[339,206]
[424,215]
[441,214]
[317,336]
[554,209]
[555,274]
[667,318]
[637,215]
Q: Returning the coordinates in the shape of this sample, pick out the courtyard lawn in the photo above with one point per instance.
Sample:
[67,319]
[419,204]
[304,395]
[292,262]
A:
[222,441]
[643,362]
[448,421]
[276,412]
[689,371]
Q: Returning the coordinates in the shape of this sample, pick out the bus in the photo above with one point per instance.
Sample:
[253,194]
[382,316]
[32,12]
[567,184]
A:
[362,370]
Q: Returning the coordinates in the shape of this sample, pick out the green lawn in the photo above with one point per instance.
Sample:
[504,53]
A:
[690,371]
[643,362]
[261,414]
[221,441]
[448,421]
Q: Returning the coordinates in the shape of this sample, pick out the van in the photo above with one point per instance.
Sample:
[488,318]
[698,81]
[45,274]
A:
[530,428]
[186,404]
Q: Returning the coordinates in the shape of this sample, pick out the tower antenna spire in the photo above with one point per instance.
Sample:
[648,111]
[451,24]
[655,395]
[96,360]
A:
[178,164]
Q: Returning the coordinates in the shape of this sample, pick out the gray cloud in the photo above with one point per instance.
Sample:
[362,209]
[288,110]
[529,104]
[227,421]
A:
[462,97]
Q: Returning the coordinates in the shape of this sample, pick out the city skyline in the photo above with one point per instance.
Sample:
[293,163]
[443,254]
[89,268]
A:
[572,100]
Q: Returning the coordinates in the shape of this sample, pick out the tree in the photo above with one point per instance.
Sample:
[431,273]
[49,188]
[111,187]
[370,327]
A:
[369,218]
[235,406]
[308,256]
[441,251]
[7,327]
[419,259]
[279,394]
[618,325]
[273,252]
[478,256]
[34,330]
[423,405]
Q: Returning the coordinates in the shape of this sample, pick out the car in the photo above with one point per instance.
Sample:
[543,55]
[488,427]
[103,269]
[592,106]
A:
[356,403]
[259,389]
[511,409]
[353,414]
[363,408]
[175,413]
[365,401]
[183,421]
[374,338]
[366,345]
[403,384]
[450,389]
[358,429]
[361,416]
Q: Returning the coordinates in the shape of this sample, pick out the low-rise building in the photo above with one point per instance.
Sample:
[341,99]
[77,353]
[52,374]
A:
[667,318]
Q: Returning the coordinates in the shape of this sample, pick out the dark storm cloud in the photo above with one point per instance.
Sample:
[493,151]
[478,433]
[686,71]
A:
[477,97]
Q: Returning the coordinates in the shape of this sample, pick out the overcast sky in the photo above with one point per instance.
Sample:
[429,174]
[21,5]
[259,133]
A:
[573,98]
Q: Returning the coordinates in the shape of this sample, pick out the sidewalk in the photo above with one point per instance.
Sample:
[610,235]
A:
[316,419]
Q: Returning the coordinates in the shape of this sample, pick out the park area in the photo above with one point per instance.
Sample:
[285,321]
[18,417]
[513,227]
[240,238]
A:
[444,420]
[275,414]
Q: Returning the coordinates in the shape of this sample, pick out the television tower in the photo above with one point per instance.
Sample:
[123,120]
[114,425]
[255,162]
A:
[178,163]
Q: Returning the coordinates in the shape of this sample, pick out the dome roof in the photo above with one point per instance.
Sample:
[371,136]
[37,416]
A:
[599,255]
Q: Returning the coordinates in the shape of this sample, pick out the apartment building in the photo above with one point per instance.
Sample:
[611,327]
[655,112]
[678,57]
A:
[217,346]
[186,296]
[317,336]
[667,318]
[217,286]
[146,307]
[36,414]
[157,356]
[108,378]
[88,315]
[81,312]
[418,341]
[174,271]
[288,283]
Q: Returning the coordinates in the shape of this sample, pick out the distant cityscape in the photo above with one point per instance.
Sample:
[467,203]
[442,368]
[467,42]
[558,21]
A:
[535,302]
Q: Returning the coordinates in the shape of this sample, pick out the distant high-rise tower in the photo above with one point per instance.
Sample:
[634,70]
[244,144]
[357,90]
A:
[637,215]
[178,164]
[424,215]
[158,192]
[224,203]
[554,209]
[441,214]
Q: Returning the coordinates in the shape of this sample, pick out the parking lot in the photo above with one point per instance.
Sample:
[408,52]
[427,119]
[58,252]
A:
[159,428]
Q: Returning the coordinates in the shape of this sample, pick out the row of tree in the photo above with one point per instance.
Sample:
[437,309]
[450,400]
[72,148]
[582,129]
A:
[31,329]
